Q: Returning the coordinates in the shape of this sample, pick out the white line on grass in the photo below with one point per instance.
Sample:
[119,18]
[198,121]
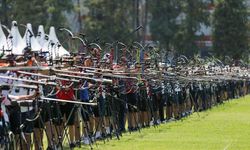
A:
[227,146]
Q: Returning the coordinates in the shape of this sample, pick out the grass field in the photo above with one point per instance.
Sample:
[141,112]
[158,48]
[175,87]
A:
[226,127]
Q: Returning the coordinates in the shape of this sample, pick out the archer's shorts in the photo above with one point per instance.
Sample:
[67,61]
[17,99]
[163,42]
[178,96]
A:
[67,110]
[108,101]
[86,112]
[17,119]
[156,97]
[44,115]
[131,100]
[143,101]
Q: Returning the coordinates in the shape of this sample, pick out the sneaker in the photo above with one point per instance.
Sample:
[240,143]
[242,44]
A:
[49,148]
[151,123]
[93,138]
[122,130]
[108,131]
[163,121]
[72,145]
[103,135]
[59,147]
[98,135]
[171,119]
[177,118]
[86,140]
[111,128]
[135,128]
[78,144]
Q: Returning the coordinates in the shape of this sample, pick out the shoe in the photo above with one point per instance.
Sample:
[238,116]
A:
[163,121]
[59,147]
[177,118]
[111,128]
[49,148]
[108,131]
[86,140]
[122,130]
[72,145]
[151,123]
[171,119]
[136,128]
[103,135]
[98,135]
[157,122]
[78,144]
[93,139]
[130,129]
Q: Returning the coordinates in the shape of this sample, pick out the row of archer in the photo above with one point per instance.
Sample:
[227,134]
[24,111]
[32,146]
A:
[115,92]
[49,47]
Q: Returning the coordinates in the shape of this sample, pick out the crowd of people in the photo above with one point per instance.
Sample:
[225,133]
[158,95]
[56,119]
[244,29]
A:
[78,105]
[75,100]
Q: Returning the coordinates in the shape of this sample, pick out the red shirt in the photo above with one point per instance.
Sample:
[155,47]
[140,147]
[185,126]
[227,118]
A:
[65,94]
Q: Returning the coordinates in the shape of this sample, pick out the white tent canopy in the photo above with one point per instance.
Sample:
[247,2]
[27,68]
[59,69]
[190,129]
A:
[18,44]
[29,37]
[15,41]
[3,41]
[57,50]
[41,35]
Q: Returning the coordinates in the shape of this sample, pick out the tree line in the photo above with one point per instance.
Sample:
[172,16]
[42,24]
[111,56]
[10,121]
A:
[173,24]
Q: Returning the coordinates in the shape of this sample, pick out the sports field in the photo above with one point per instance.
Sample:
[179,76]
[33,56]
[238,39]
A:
[226,127]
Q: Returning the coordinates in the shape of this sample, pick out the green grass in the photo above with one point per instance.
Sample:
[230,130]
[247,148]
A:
[226,127]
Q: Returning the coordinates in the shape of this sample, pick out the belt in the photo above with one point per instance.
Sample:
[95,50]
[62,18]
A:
[27,103]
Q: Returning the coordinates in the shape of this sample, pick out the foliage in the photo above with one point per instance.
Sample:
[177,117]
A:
[163,24]
[109,20]
[46,12]
[195,14]
[174,23]
[56,11]
[3,11]
[230,26]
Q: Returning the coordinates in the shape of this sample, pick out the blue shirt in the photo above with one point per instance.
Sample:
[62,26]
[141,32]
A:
[84,93]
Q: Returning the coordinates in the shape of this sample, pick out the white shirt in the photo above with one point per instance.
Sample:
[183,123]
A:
[5,93]
[17,91]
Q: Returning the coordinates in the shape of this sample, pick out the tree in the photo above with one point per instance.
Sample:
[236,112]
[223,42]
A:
[195,14]
[4,4]
[164,25]
[109,20]
[56,10]
[145,20]
[175,23]
[230,29]
[47,12]
[32,11]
